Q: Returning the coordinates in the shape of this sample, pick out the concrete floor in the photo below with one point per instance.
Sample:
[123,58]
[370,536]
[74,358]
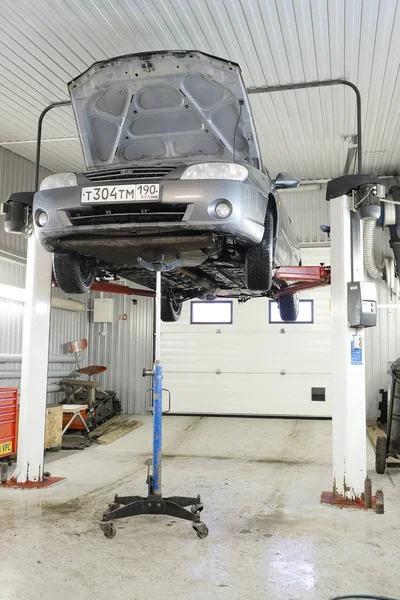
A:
[260,481]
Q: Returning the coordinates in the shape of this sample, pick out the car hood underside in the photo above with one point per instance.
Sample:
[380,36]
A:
[163,108]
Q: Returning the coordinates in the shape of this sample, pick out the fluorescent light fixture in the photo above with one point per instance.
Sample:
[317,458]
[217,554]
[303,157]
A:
[11,292]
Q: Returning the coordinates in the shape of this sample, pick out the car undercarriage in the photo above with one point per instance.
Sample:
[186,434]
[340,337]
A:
[216,269]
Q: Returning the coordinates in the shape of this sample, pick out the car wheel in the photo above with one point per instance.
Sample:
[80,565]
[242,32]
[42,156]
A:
[259,259]
[288,307]
[170,309]
[72,272]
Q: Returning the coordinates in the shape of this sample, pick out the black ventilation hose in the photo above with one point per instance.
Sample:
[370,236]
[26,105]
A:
[395,246]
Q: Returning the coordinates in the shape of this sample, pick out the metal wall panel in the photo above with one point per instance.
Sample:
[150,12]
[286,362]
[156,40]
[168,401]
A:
[308,210]
[16,175]
[12,273]
[125,347]
[65,326]
[383,341]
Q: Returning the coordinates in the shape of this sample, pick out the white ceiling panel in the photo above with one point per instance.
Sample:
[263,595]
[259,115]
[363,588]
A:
[45,43]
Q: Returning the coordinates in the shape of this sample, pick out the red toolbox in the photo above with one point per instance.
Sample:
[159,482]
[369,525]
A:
[8,421]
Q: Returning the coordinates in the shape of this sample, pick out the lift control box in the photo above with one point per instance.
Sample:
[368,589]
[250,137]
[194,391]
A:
[361,304]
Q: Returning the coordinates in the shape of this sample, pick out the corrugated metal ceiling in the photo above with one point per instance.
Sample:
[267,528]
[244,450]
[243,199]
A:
[45,43]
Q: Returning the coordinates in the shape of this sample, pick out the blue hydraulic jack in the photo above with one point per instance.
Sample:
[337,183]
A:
[154,503]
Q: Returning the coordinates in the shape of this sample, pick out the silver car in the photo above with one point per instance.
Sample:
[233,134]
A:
[175,174]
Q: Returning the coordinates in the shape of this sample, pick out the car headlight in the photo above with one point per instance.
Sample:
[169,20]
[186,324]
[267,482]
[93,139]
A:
[216,170]
[59,180]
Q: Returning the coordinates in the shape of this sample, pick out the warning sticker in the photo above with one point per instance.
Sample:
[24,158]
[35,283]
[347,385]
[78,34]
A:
[356,355]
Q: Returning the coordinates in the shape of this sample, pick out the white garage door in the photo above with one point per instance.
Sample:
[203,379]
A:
[251,367]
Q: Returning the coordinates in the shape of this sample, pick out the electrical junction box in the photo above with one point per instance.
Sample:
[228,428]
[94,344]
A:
[361,304]
[103,310]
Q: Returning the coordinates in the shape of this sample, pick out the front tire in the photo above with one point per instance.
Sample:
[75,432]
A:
[289,307]
[171,309]
[73,274]
[259,260]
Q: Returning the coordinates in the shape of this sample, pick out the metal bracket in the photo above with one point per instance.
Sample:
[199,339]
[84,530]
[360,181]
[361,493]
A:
[149,408]
[158,265]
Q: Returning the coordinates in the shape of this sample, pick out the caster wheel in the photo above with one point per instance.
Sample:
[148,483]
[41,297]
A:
[380,455]
[113,506]
[197,508]
[201,529]
[108,529]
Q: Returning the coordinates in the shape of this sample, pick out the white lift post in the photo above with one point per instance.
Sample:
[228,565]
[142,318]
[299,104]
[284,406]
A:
[348,370]
[35,350]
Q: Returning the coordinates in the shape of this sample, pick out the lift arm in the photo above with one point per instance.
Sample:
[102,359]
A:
[302,278]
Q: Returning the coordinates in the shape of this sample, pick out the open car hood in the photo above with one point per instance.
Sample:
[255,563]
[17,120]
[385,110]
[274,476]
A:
[163,108]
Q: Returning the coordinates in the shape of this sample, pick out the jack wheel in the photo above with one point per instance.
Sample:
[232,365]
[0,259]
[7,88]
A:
[380,455]
[197,508]
[108,529]
[201,529]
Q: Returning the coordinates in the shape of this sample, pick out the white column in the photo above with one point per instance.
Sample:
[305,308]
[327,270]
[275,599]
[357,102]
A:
[35,350]
[348,380]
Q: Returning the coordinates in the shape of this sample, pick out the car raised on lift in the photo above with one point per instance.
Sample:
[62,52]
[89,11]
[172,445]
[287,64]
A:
[174,175]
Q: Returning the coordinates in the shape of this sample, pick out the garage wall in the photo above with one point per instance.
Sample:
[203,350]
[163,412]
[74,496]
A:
[383,341]
[265,369]
[16,175]
[125,349]
[308,209]
[64,326]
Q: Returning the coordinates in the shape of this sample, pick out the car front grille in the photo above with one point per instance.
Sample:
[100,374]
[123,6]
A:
[122,175]
[131,213]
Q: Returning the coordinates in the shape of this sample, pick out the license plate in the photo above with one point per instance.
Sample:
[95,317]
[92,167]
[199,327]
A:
[138,192]
[5,448]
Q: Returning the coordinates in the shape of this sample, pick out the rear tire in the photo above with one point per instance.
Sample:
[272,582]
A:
[170,309]
[259,260]
[72,275]
[289,307]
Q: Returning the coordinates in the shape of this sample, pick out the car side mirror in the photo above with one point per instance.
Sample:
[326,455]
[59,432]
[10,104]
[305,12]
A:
[286,181]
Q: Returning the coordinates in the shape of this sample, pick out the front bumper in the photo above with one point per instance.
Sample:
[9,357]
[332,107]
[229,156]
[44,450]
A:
[246,223]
